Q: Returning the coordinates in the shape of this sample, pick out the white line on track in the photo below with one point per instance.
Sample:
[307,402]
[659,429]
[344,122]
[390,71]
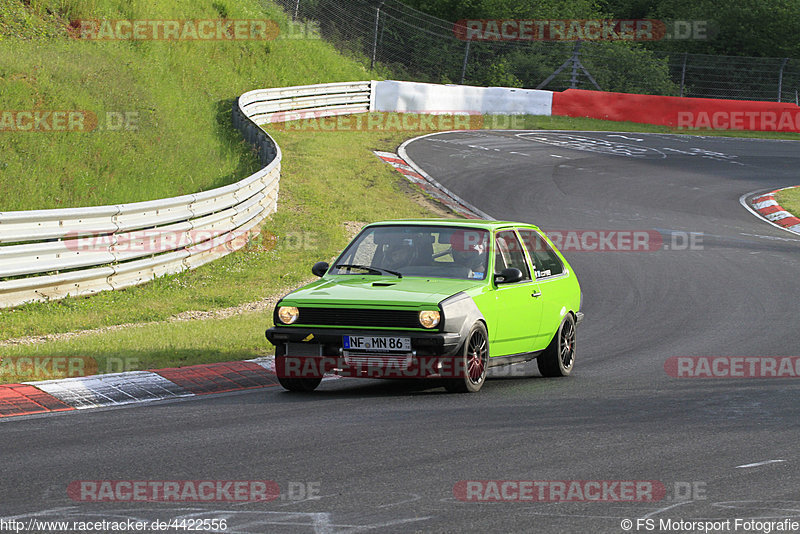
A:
[656,512]
[625,137]
[759,464]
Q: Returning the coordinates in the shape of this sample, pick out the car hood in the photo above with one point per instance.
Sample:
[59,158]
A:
[378,291]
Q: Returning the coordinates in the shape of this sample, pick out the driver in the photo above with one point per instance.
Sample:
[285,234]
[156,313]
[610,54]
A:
[399,253]
[468,249]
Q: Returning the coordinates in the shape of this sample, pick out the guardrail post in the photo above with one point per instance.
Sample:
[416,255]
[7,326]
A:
[573,81]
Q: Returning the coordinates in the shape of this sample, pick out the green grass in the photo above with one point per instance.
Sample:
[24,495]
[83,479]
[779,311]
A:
[789,199]
[153,346]
[178,93]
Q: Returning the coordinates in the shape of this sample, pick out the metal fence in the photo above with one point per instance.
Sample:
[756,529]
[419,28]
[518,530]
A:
[407,44]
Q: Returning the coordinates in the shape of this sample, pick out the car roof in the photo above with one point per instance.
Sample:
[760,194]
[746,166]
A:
[460,223]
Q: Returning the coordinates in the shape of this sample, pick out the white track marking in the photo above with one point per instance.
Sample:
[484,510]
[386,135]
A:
[764,204]
[656,512]
[626,137]
[778,215]
[759,464]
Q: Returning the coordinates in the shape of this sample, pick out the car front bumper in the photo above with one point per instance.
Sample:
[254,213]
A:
[309,352]
[423,343]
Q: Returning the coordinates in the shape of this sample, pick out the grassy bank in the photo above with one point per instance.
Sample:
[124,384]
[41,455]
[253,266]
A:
[162,108]
[789,199]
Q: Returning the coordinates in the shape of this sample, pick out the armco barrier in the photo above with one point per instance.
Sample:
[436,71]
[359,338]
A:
[677,112]
[412,97]
[288,103]
[51,254]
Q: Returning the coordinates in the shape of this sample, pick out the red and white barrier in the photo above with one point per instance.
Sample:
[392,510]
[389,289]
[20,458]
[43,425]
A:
[677,112]
[412,97]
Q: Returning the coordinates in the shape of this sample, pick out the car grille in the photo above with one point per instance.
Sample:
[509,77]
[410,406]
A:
[397,361]
[359,317]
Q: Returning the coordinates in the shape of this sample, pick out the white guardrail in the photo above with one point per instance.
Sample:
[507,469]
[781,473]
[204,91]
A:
[51,254]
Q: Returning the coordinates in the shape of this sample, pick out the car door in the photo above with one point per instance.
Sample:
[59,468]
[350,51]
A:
[550,276]
[518,306]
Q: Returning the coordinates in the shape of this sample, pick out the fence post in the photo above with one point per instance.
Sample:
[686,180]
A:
[683,71]
[573,82]
[464,66]
[780,77]
[375,37]
[296,10]
[575,62]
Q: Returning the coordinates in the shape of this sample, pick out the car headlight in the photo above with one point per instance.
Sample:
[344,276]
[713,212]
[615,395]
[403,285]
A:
[288,314]
[429,318]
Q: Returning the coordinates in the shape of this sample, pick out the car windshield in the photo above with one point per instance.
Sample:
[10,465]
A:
[429,251]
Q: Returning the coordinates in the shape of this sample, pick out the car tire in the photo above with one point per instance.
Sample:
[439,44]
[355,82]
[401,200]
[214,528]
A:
[473,361]
[301,385]
[558,358]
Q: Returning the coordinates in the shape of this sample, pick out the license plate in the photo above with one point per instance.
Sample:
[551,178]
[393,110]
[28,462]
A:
[377,343]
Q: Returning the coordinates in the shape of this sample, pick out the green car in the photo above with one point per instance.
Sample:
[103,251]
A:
[432,298]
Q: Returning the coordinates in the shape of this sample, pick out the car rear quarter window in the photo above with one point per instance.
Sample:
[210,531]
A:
[545,260]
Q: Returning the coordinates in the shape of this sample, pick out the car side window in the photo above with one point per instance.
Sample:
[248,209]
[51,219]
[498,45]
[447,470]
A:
[546,262]
[508,254]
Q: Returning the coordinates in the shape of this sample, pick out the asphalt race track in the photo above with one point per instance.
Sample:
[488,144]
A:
[385,456]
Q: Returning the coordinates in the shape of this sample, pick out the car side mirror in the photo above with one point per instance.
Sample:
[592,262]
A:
[508,276]
[320,268]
